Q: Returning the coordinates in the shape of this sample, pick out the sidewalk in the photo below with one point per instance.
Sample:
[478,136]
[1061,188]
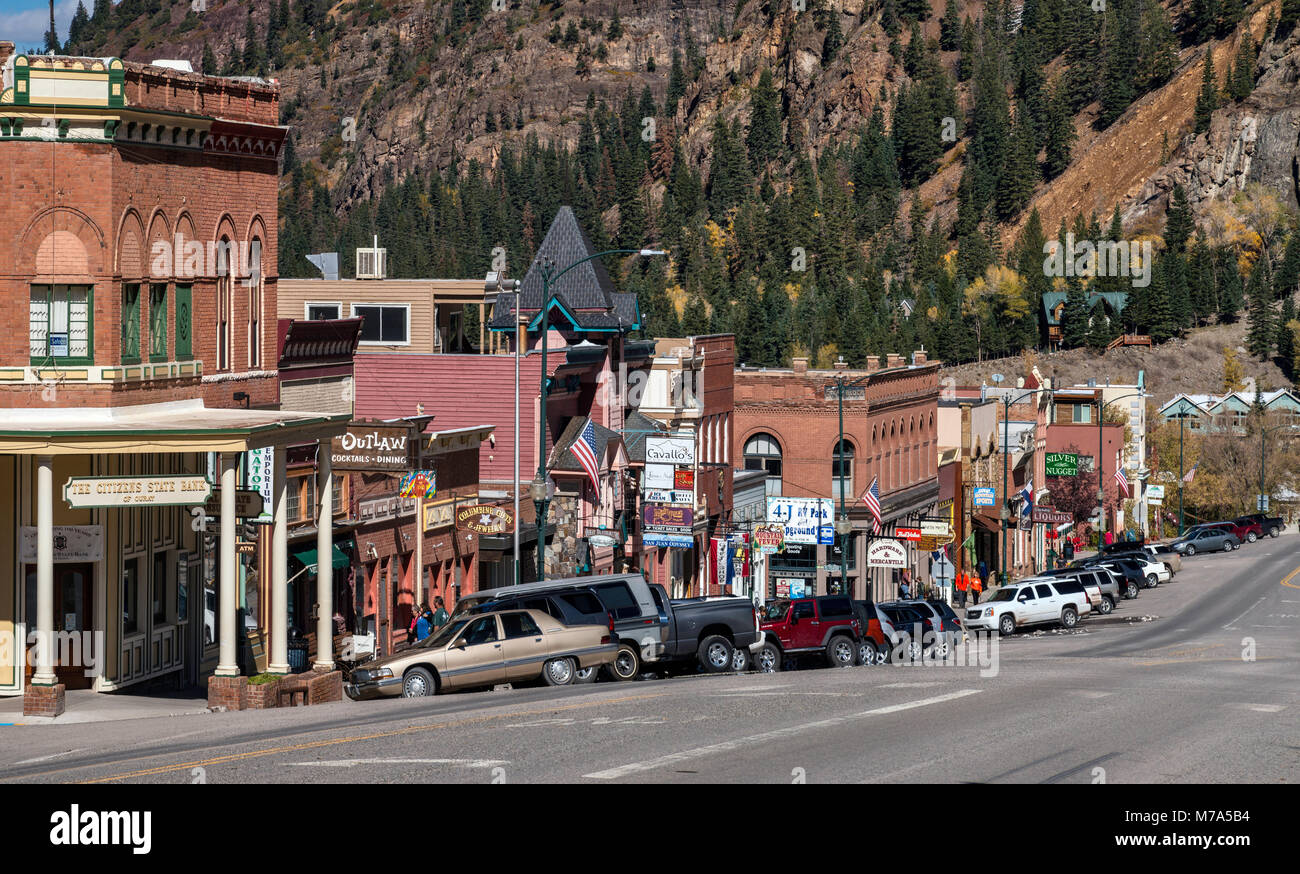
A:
[83,705]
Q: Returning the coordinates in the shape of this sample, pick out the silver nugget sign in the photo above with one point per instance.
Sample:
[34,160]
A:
[371,448]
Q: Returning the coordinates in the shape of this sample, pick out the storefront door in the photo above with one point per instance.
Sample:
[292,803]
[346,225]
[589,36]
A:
[74,611]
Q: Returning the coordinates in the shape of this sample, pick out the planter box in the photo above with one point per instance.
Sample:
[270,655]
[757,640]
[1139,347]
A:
[264,695]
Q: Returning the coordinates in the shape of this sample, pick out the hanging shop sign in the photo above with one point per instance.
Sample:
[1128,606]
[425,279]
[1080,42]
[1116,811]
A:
[936,528]
[658,476]
[769,539]
[985,497]
[1062,463]
[129,491]
[371,448]
[667,516]
[886,552]
[419,484]
[673,541]
[249,504]
[806,520]
[669,496]
[602,540]
[1155,494]
[684,478]
[1049,516]
[669,450]
[485,519]
[71,543]
[908,533]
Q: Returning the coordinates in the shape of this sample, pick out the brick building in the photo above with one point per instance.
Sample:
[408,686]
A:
[787,423]
[139,236]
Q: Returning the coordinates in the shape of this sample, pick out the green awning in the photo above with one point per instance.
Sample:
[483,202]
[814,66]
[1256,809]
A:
[308,557]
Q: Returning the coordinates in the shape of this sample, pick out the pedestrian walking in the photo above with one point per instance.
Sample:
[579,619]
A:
[440,616]
[424,624]
[961,584]
[904,589]
[976,586]
[984,575]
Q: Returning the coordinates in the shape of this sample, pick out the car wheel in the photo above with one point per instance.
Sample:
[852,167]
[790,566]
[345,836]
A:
[559,672]
[914,651]
[1191,550]
[1006,624]
[768,659]
[1152,581]
[1272,531]
[1227,546]
[1131,590]
[1069,617]
[585,675]
[1107,605]
[714,654]
[740,659]
[840,652]
[866,652]
[418,683]
[627,663]
[1251,537]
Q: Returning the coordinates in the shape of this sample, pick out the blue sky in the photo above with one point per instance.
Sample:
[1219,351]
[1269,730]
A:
[24,22]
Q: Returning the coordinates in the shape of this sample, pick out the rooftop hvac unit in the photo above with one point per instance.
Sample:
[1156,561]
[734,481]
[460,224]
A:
[372,263]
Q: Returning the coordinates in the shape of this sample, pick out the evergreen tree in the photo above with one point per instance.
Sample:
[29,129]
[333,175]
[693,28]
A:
[966,60]
[1288,272]
[1158,57]
[1287,20]
[1178,220]
[764,138]
[80,20]
[676,85]
[209,63]
[834,36]
[1120,59]
[1208,100]
[1262,328]
[950,28]
[1230,298]
[253,60]
[915,134]
[1074,318]
[1286,347]
[615,29]
[1019,168]
[1242,80]
[1060,134]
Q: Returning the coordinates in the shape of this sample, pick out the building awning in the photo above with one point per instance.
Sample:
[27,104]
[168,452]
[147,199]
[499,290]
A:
[308,557]
[177,426]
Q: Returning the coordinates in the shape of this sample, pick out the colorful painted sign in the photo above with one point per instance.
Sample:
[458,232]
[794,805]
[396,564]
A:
[485,519]
[908,533]
[419,484]
[668,516]
[804,518]
[985,497]
[684,478]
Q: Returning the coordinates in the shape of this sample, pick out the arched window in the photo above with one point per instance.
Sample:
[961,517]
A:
[842,473]
[762,452]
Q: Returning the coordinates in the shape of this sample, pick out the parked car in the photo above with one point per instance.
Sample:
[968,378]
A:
[825,625]
[1206,540]
[1106,581]
[1270,525]
[1032,601]
[1131,575]
[877,634]
[481,650]
[572,605]
[642,628]
[720,633]
[1157,551]
[1248,528]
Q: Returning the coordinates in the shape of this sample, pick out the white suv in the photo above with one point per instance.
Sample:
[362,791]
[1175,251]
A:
[1033,601]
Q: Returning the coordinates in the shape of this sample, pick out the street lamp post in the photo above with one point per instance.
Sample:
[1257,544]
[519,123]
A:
[1007,401]
[842,525]
[540,498]
[1101,467]
[1181,418]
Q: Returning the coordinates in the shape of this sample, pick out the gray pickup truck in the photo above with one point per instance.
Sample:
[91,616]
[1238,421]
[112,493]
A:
[720,632]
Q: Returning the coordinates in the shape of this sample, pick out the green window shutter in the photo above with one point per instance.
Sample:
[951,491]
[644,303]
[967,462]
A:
[184,323]
[130,324]
[158,322]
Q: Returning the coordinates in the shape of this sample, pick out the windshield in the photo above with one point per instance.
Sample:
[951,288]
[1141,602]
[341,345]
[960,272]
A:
[444,634]
[1004,595]
[774,611]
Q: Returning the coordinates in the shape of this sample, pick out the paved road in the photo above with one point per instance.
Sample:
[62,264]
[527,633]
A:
[1193,682]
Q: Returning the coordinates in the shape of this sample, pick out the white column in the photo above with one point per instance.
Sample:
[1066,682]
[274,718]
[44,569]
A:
[228,597]
[324,560]
[44,674]
[279,566]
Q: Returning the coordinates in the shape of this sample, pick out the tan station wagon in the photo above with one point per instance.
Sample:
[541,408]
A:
[509,646]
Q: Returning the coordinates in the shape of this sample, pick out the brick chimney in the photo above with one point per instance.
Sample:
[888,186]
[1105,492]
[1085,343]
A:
[800,365]
[841,364]
[6,51]
[873,364]
[895,360]
[919,357]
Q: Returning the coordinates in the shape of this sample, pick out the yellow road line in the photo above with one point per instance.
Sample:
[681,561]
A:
[1286,581]
[324,743]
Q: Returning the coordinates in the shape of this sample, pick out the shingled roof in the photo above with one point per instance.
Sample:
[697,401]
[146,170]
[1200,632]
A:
[562,458]
[586,293]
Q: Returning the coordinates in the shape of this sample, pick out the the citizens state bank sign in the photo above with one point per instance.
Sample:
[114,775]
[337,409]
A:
[373,448]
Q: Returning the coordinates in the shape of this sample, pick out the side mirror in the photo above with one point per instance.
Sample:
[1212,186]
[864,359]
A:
[460,643]
[794,619]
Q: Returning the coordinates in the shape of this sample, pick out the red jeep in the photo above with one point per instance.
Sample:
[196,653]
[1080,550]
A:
[825,625]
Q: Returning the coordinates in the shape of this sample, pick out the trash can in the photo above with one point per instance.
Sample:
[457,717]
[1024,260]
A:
[297,654]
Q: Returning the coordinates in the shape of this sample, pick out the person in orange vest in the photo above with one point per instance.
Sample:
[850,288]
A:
[975,588]
[962,585]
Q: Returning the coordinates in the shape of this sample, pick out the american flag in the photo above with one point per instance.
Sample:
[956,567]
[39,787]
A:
[1187,477]
[871,497]
[585,450]
[1121,480]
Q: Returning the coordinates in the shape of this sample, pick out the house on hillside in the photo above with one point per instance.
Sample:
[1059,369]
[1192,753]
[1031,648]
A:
[1112,303]
[1204,413]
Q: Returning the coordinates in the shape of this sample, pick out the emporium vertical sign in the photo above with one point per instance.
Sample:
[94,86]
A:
[260,472]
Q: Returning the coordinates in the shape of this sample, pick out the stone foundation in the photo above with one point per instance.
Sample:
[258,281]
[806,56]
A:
[230,693]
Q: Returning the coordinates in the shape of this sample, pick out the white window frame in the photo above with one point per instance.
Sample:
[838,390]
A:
[337,304]
[406,306]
